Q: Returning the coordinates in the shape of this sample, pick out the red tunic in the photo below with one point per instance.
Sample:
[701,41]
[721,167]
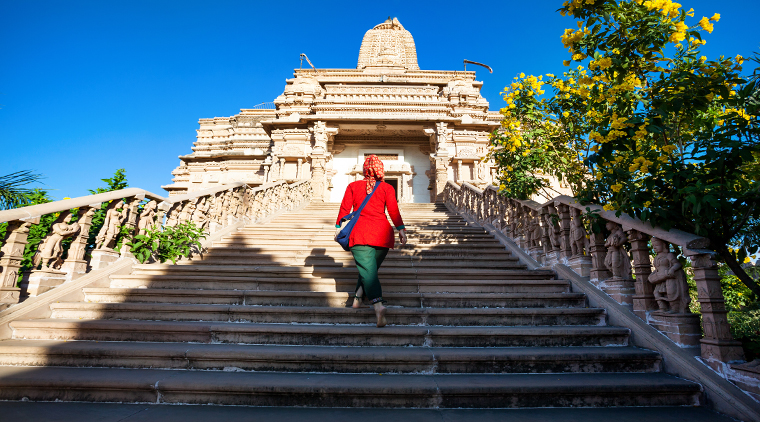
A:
[372,228]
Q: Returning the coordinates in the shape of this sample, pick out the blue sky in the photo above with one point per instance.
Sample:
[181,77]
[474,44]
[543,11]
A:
[89,87]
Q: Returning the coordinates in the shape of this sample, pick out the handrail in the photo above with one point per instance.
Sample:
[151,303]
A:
[673,236]
[616,260]
[210,209]
[32,211]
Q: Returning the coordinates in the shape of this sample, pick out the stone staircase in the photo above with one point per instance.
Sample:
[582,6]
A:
[263,318]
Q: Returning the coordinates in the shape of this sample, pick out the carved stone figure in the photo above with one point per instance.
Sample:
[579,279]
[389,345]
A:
[535,229]
[51,249]
[579,243]
[617,260]
[554,231]
[147,218]
[114,217]
[200,216]
[671,290]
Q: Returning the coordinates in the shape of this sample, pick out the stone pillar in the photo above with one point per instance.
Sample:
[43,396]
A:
[318,176]
[564,224]
[75,265]
[643,299]
[281,169]
[298,169]
[718,345]
[598,253]
[459,171]
[11,255]
[131,223]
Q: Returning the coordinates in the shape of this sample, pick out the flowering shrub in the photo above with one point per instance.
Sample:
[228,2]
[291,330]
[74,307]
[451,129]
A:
[644,124]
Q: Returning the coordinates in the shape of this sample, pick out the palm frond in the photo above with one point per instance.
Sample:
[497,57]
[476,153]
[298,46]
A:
[12,191]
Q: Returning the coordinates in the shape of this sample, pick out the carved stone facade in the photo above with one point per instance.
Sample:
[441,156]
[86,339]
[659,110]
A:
[429,127]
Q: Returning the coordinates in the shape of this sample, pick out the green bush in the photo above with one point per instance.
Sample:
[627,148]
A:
[171,243]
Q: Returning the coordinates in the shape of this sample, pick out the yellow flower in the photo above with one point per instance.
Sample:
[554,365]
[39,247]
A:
[706,25]
[647,204]
[669,148]
[522,75]
[608,207]
[566,114]
[746,260]
[566,62]
[715,17]
[616,187]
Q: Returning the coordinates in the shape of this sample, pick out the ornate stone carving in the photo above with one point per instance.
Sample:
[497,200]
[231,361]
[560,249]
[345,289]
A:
[116,213]
[388,45]
[51,248]
[617,260]
[147,218]
[579,243]
[671,291]
[75,265]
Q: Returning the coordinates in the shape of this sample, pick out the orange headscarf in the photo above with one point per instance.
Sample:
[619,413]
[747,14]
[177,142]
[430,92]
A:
[373,171]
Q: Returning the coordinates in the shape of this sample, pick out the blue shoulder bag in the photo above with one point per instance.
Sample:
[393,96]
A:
[345,233]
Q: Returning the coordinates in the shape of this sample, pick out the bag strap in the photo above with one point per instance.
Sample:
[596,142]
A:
[366,199]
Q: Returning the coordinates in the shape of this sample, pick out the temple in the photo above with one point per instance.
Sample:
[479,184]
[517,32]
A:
[428,126]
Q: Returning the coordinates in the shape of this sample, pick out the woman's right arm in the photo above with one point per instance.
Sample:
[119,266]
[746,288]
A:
[345,205]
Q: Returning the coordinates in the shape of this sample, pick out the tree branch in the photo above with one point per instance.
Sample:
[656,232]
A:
[737,269]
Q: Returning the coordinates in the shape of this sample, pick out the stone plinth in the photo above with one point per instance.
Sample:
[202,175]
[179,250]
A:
[552,258]
[74,268]
[102,258]
[9,296]
[536,253]
[581,264]
[684,329]
[43,280]
[621,290]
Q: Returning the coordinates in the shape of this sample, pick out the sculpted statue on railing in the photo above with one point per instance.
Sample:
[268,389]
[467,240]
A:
[129,212]
[616,259]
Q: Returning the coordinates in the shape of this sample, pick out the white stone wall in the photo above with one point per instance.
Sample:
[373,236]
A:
[345,161]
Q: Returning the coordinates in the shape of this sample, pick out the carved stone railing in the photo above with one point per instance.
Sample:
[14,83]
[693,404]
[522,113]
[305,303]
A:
[129,211]
[616,260]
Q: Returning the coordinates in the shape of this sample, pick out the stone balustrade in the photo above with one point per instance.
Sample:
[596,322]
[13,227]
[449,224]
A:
[617,259]
[129,212]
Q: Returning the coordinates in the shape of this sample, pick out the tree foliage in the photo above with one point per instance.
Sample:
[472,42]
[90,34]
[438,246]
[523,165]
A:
[646,125]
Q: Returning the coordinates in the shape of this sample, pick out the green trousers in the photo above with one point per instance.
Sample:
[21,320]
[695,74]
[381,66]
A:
[368,260]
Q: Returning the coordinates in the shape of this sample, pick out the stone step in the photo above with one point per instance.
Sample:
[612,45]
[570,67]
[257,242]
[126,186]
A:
[468,253]
[334,246]
[346,390]
[504,317]
[386,273]
[413,243]
[318,334]
[335,299]
[341,359]
[348,261]
[330,284]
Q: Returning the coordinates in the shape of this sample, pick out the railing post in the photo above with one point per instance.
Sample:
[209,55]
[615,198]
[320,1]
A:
[620,286]
[564,240]
[11,255]
[75,265]
[104,255]
[643,299]
[718,345]
[599,271]
[580,259]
